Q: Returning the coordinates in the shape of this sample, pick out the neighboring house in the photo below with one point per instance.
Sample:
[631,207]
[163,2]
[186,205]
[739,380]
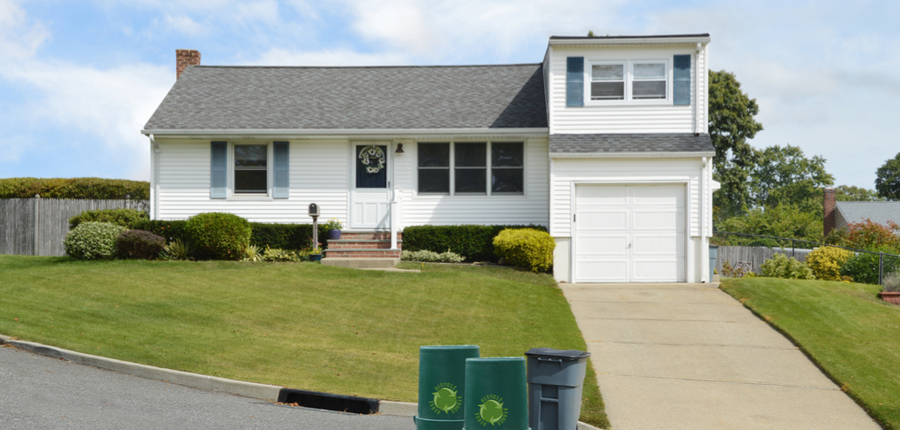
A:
[839,214]
[605,143]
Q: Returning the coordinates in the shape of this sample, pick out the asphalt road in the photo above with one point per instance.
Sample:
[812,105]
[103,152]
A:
[38,392]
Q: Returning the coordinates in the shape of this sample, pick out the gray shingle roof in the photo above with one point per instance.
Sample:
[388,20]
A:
[880,212]
[611,143]
[217,97]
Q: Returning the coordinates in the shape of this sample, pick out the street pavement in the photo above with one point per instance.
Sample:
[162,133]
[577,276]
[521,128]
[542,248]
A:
[39,392]
[689,356]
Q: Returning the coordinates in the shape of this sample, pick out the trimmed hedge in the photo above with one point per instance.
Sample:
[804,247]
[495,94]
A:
[474,242]
[528,248]
[74,188]
[123,217]
[218,235]
[93,241]
[169,230]
[285,236]
[139,244]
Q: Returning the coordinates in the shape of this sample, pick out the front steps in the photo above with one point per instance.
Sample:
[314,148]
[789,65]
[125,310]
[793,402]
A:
[363,250]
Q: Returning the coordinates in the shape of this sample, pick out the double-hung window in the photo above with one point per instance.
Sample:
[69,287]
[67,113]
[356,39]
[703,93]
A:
[648,80]
[251,174]
[628,80]
[471,168]
[608,81]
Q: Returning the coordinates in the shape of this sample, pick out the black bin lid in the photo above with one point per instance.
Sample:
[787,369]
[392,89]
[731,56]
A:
[567,354]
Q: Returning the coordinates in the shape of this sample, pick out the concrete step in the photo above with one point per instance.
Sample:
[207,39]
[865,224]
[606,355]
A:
[361,263]
[362,253]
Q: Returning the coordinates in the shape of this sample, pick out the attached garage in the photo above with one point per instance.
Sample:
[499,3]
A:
[629,233]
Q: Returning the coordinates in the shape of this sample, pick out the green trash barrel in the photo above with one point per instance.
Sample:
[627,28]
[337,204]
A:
[442,381]
[496,397]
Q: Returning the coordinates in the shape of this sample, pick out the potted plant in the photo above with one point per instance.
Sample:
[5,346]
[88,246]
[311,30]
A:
[315,254]
[891,292]
[334,227]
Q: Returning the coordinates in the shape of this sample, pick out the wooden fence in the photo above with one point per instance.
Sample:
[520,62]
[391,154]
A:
[755,255]
[38,226]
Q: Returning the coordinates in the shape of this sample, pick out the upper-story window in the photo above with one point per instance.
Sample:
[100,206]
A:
[628,80]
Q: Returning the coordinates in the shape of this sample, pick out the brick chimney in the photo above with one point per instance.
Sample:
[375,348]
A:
[828,203]
[184,58]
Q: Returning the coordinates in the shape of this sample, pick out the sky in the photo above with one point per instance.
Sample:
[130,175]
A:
[79,79]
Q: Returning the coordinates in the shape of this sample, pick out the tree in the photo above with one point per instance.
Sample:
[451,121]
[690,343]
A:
[785,175]
[849,193]
[784,220]
[731,124]
[888,181]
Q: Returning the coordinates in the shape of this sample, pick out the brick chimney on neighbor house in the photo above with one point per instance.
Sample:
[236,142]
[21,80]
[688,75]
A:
[828,202]
[184,58]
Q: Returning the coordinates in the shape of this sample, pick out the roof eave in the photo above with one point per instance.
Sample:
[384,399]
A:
[632,40]
[338,133]
[648,154]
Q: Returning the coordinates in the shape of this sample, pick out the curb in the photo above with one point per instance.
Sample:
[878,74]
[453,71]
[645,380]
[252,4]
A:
[196,380]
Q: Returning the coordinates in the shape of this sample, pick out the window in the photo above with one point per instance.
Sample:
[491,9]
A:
[478,168]
[250,169]
[608,81]
[628,80]
[648,81]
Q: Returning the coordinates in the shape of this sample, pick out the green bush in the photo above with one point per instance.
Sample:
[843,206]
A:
[123,217]
[285,236]
[892,283]
[139,244]
[782,266]
[430,256]
[826,262]
[474,242]
[93,241]
[169,230]
[863,267]
[532,249]
[277,254]
[73,188]
[177,249]
[217,235]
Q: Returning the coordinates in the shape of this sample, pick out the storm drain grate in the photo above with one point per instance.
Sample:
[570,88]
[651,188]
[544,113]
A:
[331,402]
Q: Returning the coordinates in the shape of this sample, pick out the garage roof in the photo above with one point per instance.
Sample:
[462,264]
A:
[629,143]
[298,98]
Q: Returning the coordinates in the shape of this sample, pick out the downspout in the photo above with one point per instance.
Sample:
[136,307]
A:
[704,247]
[696,103]
[154,178]
[393,201]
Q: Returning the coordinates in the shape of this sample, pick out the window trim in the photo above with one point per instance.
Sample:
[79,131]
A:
[629,81]
[488,169]
[270,172]
[590,77]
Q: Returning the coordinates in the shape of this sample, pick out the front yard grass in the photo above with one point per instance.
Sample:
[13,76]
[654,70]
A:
[303,326]
[844,327]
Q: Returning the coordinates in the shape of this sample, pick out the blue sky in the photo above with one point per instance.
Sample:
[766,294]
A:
[78,79]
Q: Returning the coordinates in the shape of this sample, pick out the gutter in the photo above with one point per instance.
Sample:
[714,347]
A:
[581,155]
[600,41]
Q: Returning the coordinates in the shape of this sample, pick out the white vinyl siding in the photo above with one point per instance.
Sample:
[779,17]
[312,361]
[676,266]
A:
[318,171]
[528,208]
[625,116]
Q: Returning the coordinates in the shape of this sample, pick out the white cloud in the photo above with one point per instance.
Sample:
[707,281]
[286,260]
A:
[18,37]
[331,57]
[185,25]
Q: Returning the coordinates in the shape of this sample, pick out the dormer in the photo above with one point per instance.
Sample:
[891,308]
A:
[627,84]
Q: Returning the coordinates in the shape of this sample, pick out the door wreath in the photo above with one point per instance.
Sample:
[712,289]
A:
[372,157]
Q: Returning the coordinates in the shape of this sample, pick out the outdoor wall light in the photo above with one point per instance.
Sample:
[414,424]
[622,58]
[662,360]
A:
[399,149]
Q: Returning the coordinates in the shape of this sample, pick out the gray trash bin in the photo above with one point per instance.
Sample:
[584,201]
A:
[713,256]
[555,380]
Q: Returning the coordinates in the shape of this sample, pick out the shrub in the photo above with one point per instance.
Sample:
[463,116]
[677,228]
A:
[139,244]
[285,236]
[528,248]
[430,256]
[176,250]
[124,217]
[252,253]
[92,241]
[826,262]
[867,235]
[475,242]
[863,267]
[277,254]
[782,266]
[217,235]
[73,188]
[784,220]
[169,230]
[892,283]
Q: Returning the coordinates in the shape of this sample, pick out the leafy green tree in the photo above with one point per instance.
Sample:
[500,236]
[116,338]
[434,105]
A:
[888,181]
[849,193]
[784,220]
[731,124]
[785,175]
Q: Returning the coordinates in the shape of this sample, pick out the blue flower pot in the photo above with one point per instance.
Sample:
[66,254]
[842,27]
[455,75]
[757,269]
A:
[334,234]
[315,257]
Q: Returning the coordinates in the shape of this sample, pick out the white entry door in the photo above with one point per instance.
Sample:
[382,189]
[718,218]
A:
[629,233]
[370,188]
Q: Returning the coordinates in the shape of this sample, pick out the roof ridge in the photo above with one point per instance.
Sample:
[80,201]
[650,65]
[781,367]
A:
[367,67]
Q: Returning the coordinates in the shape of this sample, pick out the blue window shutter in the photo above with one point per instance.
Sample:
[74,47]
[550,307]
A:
[281,155]
[218,178]
[574,81]
[682,87]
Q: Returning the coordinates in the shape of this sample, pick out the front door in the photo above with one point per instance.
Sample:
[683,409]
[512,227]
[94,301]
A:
[370,193]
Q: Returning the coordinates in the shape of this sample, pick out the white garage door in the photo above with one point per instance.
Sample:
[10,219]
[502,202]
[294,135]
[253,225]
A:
[629,233]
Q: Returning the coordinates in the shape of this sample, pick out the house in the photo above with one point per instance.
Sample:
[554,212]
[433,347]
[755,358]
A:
[839,214]
[605,142]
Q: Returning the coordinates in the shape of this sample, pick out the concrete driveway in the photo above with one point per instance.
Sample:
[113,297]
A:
[689,356]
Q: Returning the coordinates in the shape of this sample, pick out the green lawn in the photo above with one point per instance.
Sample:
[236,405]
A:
[845,328]
[303,326]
